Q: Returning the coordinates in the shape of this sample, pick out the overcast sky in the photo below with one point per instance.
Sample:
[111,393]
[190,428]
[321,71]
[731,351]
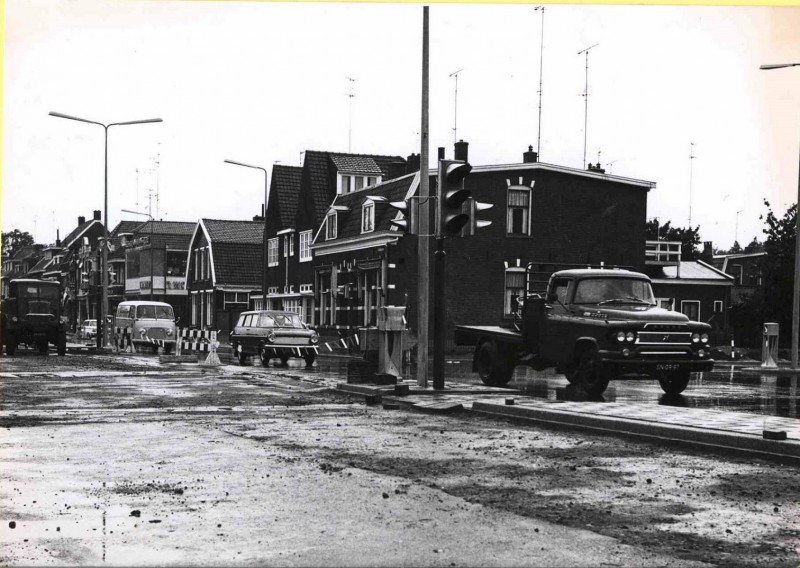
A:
[262,82]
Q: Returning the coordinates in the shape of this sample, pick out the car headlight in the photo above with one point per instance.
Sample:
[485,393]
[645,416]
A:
[695,338]
[271,337]
[315,338]
[704,338]
[630,336]
[620,336]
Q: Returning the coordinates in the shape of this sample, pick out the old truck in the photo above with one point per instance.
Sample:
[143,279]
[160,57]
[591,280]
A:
[31,314]
[594,325]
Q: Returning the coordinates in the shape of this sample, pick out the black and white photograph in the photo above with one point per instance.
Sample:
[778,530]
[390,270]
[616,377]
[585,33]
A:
[399,284]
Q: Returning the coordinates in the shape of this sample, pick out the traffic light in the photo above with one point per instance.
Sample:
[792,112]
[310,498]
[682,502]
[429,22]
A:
[475,223]
[452,195]
[408,224]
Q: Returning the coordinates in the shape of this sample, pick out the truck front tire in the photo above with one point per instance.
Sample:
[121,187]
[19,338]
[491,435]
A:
[587,372]
[674,383]
[494,369]
[61,348]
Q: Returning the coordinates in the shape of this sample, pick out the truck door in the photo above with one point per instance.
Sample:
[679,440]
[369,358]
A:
[553,328]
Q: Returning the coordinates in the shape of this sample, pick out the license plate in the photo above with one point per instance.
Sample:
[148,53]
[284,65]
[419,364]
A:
[668,367]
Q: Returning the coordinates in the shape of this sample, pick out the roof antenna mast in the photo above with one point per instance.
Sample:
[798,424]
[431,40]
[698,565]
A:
[454,74]
[350,97]
[541,66]
[691,162]
[586,101]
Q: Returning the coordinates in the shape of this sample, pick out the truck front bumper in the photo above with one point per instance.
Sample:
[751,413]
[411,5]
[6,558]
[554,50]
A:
[650,367]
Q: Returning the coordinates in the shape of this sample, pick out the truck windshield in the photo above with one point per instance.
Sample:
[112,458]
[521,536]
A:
[36,291]
[613,290]
[154,312]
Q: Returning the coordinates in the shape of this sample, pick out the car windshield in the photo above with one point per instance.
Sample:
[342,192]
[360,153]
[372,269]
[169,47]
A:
[154,312]
[91,323]
[614,290]
[283,320]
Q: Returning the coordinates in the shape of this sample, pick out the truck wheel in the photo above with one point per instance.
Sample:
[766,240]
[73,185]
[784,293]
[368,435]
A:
[11,347]
[674,383]
[587,373]
[155,349]
[43,347]
[61,348]
[492,369]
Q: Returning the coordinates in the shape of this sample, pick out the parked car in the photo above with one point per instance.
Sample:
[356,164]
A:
[88,329]
[148,321]
[273,335]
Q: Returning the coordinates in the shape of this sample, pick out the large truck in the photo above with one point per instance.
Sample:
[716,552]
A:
[31,314]
[595,325]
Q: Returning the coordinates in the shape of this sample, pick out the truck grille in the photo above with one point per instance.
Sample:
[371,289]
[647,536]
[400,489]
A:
[664,338]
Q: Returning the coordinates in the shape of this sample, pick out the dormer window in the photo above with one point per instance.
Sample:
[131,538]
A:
[330,226]
[368,217]
[353,182]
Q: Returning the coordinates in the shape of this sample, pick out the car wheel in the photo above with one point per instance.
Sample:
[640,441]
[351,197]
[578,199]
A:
[262,354]
[309,360]
[492,369]
[62,345]
[284,360]
[587,372]
[674,383]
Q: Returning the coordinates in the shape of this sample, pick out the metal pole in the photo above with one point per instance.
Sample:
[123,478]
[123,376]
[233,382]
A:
[102,340]
[264,248]
[440,259]
[423,248]
[796,290]
[541,63]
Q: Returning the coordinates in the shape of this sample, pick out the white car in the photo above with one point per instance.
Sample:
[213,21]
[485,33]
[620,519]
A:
[89,329]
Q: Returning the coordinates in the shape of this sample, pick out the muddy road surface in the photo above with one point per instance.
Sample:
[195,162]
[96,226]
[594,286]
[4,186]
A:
[121,461]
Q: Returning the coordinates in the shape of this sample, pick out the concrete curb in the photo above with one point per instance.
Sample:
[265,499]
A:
[788,450]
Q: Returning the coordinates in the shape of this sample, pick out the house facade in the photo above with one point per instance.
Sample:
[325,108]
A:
[223,272]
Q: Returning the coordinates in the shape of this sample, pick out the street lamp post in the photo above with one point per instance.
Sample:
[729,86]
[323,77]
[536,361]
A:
[102,332]
[264,244]
[796,288]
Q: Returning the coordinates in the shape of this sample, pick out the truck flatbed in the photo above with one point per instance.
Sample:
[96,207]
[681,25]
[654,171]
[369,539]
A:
[470,334]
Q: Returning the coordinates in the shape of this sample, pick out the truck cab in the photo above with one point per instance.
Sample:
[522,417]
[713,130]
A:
[31,314]
[594,325]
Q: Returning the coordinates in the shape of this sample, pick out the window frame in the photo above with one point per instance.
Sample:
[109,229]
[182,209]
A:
[691,302]
[273,254]
[368,218]
[305,247]
[331,229]
[721,305]
[527,211]
[507,312]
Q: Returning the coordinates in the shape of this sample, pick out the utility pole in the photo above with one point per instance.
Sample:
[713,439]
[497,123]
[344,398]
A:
[423,248]
[586,101]
[541,66]
[454,74]
[691,163]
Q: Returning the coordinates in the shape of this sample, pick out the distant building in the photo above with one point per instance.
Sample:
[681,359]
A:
[747,270]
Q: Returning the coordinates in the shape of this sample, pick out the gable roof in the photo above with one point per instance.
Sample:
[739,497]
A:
[79,231]
[126,227]
[693,270]
[237,232]
[285,190]
[27,252]
[185,228]
[235,250]
[319,174]
[350,205]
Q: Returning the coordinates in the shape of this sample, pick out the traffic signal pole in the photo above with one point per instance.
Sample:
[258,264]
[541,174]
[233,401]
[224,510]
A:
[440,258]
[423,248]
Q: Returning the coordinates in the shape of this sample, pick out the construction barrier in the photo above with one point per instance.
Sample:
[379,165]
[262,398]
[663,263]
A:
[123,339]
[199,341]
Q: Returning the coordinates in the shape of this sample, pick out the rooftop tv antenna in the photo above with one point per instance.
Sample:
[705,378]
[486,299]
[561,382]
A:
[454,74]
[158,179]
[586,100]
[350,97]
[691,171]
[541,66]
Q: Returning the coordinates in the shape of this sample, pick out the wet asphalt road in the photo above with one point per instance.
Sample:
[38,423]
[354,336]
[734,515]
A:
[113,460]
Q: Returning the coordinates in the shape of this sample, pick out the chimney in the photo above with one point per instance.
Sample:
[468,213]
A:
[441,153]
[530,157]
[395,170]
[461,151]
[412,163]
[96,215]
[708,251]
[81,220]
[592,168]
[58,238]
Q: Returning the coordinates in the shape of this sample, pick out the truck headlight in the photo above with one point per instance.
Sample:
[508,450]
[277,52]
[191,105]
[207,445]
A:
[704,338]
[620,336]
[630,336]
[15,319]
[169,333]
[695,338]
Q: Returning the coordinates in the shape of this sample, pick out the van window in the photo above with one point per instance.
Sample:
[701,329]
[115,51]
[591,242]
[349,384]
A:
[124,311]
[154,312]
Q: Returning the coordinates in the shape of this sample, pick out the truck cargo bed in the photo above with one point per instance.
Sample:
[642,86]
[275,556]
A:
[470,334]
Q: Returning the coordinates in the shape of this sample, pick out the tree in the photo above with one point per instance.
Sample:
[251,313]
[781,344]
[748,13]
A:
[13,241]
[689,238]
[754,246]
